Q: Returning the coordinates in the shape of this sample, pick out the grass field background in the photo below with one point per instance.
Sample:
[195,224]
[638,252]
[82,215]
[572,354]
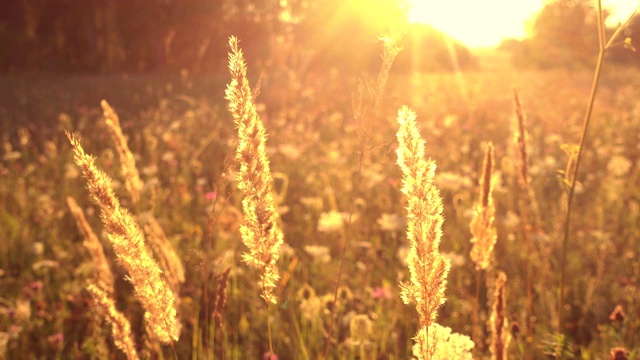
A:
[183,139]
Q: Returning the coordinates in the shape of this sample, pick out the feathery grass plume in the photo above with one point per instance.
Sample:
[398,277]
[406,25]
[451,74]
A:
[169,261]
[527,207]
[500,337]
[129,246]
[102,271]
[260,231]
[120,327]
[221,297]
[391,49]
[128,167]
[427,266]
[530,210]
[482,228]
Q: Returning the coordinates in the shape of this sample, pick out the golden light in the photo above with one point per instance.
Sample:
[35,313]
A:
[474,23]
[484,23]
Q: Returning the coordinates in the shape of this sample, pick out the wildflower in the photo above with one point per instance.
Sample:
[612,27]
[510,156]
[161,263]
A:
[314,203]
[37,248]
[402,254]
[319,253]
[360,327]
[372,175]
[289,151]
[22,310]
[332,221]
[391,222]
[305,292]
[453,182]
[619,353]
[56,338]
[328,305]
[382,292]
[11,156]
[617,314]
[450,345]
[511,220]
[344,294]
[619,166]
[51,264]
[456,259]
[269,356]
[71,171]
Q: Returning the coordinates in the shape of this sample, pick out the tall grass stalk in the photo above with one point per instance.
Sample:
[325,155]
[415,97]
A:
[361,111]
[129,245]
[525,200]
[571,177]
[260,231]
[484,235]
[427,266]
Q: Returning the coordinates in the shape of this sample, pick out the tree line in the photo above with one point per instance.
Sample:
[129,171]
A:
[99,36]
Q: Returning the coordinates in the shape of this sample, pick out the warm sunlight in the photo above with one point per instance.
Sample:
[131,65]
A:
[485,23]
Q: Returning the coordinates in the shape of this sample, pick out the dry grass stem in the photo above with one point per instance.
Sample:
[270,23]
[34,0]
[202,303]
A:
[260,231]
[102,271]
[120,327]
[521,140]
[499,327]
[391,49]
[128,167]
[221,297]
[129,246]
[427,266]
[482,228]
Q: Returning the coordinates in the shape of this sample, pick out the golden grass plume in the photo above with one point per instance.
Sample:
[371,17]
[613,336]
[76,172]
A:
[129,246]
[427,266]
[260,231]
[128,168]
[120,326]
[482,228]
[102,271]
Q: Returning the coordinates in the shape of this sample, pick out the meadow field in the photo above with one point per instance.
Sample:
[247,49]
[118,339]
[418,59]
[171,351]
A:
[331,145]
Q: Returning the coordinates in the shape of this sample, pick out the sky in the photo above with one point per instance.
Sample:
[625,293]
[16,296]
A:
[484,23]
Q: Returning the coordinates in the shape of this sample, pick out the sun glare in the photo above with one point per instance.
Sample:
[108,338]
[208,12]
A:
[485,23]
[474,23]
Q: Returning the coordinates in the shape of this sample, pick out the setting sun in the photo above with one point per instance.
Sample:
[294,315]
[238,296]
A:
[484,23]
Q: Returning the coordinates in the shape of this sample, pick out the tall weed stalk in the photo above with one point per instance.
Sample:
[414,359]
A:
[571,175]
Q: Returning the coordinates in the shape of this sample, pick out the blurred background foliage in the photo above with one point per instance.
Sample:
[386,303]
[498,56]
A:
[107,36]
[172,35]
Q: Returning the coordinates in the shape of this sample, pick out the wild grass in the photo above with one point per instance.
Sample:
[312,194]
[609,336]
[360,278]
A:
[206,303]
